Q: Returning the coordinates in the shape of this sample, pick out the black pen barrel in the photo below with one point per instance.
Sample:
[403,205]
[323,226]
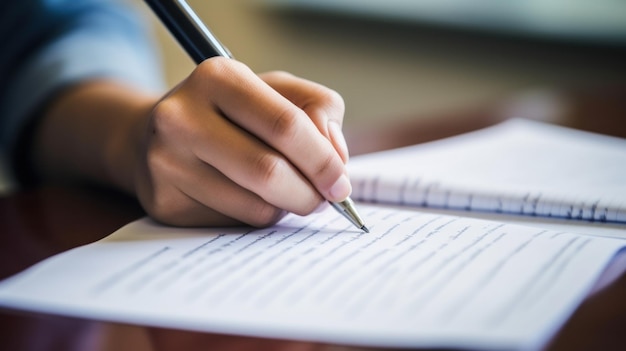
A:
[188,29]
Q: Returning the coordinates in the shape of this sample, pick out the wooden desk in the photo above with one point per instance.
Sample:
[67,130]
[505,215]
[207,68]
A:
[39,222]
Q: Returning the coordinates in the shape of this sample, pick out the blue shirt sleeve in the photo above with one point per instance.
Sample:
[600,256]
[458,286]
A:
[48,45]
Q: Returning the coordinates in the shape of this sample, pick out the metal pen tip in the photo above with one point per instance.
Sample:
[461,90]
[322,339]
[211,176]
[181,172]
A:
[346,208]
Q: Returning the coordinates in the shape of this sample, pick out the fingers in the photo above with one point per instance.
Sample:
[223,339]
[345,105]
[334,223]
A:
[324,106]
[227,147]
[262,111]
[235,153]
[192,193]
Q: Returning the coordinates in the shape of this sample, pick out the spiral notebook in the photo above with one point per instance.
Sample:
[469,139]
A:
[518,167]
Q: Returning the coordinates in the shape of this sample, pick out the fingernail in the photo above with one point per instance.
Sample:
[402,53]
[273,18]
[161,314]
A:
[337,138]
[341,189]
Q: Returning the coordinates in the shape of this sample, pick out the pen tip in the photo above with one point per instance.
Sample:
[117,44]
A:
[364,228]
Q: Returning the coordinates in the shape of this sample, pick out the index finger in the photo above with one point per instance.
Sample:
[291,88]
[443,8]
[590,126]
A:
[324,106]
[256,107]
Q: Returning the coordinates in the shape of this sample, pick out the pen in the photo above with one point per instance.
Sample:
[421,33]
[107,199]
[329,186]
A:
[200,44]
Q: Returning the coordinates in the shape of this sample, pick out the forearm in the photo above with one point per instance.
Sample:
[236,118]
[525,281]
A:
[91,133]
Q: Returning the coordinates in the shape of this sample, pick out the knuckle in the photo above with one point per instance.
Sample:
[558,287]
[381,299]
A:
[213,67]
[267,168]
[324,165]
[285,123]
[218,71]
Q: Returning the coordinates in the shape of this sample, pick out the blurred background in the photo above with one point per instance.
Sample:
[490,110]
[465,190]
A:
[397,61]
[406,59]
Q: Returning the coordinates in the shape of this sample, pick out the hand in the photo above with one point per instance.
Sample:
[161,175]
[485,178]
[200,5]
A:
[227,146]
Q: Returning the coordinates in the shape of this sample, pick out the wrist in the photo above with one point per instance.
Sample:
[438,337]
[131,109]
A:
[125,147]
[90,133]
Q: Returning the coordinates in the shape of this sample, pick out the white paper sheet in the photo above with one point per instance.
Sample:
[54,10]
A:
[419,280]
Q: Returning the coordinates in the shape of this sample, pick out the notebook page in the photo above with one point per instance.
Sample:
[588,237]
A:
[519,166]
[417,280]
